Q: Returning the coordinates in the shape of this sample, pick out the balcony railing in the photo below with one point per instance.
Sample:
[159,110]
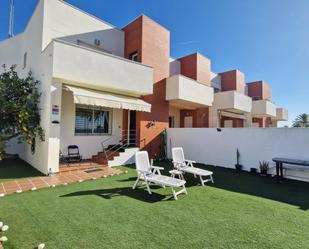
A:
[187,93]
[263,108]
[232,101]
[96,69]
[281,114]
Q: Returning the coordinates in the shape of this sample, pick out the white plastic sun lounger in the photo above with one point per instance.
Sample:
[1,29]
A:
[151,174]
[186,166]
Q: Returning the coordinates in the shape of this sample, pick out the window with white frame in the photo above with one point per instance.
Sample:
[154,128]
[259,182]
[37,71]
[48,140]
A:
[92,121]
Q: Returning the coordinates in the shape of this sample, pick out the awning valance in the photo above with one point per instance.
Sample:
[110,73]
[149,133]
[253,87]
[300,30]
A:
[96,98]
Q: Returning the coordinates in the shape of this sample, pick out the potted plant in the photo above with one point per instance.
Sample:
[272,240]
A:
[253,171]
[264,165]
[238,166]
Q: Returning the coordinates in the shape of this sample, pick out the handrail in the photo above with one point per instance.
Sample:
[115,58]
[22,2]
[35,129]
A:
[126,137]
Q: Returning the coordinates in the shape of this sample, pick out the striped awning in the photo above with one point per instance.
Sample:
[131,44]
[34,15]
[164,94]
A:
[105,99]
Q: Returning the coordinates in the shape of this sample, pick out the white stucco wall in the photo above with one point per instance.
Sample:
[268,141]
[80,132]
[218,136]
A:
[30,42]
[215,80]
[89,145]
[64,20]
[11,51]
[207,145]
[175,67]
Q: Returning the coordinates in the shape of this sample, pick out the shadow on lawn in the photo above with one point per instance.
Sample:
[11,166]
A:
[138,194]
[291,192]
[15,168]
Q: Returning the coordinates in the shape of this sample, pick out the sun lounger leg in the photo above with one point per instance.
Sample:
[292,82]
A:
[174,193]
[185,190]
[136,182]
[148,188]
[211,179]
[202,181]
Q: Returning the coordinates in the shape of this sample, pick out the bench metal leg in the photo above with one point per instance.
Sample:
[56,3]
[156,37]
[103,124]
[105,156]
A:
[281,170]
[277,170]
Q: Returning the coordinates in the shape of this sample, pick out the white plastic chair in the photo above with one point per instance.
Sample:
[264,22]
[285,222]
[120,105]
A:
[186,166]
[151,174]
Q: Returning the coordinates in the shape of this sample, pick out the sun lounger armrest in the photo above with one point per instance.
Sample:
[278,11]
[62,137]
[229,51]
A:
[156,169]
[190,162]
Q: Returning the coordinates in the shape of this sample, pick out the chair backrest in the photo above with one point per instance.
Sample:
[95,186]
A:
[142,161]
[73,150]
[178,156]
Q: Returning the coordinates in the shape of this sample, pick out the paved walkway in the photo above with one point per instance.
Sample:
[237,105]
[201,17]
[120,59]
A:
[63,178]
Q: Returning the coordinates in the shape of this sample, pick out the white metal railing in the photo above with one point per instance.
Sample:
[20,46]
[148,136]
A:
[127,138]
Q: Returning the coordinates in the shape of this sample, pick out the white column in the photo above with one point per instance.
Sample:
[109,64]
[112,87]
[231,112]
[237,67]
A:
[54,131]
[248,120]
[214,118]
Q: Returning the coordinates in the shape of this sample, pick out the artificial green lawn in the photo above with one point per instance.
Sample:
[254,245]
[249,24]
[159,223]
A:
[15,168]
[239,211]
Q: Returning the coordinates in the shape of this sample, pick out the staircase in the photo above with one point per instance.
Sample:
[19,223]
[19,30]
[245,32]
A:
[103,158]
[123,158]
[118,154]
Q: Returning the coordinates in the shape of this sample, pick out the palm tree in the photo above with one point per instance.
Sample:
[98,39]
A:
[301,120]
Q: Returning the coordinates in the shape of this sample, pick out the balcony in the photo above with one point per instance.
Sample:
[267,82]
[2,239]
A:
[232,101]
[263,108]
[98,70]
[187,93]
[281,115]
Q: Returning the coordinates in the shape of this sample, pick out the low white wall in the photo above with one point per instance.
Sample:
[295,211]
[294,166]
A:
[207,145]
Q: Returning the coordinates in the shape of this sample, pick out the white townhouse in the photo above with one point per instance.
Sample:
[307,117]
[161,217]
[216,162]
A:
[86,82]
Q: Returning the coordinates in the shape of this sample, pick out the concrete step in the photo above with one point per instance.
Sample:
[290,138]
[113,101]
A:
[126,157]
[80,166]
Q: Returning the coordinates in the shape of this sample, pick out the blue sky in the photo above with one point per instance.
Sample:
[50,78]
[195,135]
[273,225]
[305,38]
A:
[265,39]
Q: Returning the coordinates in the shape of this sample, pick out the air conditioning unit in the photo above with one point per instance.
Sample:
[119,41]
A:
[97,42]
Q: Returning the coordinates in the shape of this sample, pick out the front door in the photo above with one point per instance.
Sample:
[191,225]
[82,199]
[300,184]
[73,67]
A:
[188,122]
[132,127]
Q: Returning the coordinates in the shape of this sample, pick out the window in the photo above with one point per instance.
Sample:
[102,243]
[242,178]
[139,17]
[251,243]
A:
[25,60]
[134,56]
[92,121]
